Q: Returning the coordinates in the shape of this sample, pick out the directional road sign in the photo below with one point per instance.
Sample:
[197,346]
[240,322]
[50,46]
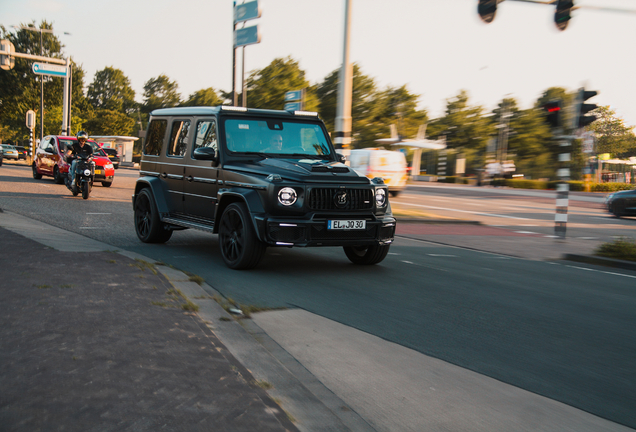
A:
[246,36]
[295,95]
[246,11]
[292,106]
[49,69]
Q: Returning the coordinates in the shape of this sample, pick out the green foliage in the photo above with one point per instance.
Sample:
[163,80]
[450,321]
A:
[266,87]
[612,135]
[110,90]
[623,249]
[109,122]
[160,92]
[203,97]
[611,187]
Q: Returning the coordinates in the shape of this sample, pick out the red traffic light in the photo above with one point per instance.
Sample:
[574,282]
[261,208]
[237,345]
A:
[553,116]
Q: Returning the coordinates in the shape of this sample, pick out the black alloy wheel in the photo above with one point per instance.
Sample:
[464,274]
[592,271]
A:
[240,247]
[366,255]
[148,226]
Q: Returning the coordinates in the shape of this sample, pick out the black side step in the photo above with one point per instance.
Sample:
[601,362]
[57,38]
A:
[202,226]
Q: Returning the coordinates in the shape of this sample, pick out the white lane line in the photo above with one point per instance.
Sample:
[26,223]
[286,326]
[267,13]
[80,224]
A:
[90,228]
[462,211]
[98,213]
[526,232]
[442,255]
[600,271]
[424,265]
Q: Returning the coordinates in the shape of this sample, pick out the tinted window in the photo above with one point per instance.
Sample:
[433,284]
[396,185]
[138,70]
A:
[276,137]
[179,138]
[206,135]
[156,133]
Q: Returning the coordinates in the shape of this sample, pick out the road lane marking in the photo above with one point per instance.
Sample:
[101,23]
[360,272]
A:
[600,271]
[442,255]
[98,213]
[462,211]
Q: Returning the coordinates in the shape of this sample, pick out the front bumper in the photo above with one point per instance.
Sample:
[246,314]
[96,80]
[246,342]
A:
[313,231]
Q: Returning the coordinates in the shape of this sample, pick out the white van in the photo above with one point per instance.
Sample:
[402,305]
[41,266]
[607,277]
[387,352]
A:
[390,165]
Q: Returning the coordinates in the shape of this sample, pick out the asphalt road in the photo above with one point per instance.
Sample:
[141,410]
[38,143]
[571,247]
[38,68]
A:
[559,330]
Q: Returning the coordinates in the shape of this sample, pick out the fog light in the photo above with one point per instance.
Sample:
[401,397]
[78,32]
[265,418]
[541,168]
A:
[380,197]
[287,196]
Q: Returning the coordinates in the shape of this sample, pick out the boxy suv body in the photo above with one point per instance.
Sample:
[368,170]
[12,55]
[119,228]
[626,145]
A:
[224,170]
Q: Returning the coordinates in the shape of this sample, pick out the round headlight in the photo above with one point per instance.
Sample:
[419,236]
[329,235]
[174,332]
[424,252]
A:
[380,197]
[287,196]
[87,172]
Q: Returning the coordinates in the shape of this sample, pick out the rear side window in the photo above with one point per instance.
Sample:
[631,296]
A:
[154,140]
[179,138]
[206,135]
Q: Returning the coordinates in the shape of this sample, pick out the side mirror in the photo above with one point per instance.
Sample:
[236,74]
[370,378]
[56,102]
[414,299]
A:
[341,158]
[205,153]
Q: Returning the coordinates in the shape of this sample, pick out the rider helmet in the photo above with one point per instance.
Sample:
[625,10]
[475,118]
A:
[82,135]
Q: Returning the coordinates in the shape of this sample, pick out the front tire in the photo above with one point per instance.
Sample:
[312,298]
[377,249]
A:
[36,174]
[57,176]
[86,190]
[148,226]
[107,184]
[366,255]
[240,247]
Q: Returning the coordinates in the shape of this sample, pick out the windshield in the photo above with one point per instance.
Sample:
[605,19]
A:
[276,138]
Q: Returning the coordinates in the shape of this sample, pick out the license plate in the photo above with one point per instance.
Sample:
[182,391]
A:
[350,224]
[98,171]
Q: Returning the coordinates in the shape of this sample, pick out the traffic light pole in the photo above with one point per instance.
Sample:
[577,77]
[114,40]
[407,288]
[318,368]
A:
[563,188]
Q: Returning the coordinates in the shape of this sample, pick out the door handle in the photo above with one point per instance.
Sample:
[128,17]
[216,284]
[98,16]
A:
[164,175]
[189,178]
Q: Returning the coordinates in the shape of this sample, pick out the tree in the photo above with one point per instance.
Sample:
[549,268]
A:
[266,87]
[612,135]
[160,92]
[203,97]
[109,122]
[111,90]
[364,89]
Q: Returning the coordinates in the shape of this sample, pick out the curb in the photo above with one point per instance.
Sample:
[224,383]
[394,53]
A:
[438,221]
[602,261]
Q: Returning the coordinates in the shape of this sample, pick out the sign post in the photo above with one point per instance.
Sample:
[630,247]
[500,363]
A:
[30,123]
[243,37]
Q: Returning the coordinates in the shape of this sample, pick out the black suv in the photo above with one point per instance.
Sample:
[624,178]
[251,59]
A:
[257,178]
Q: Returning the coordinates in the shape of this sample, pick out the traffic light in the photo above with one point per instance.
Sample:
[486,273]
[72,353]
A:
[487,10]
[582,119]
[562,14]
[553,113]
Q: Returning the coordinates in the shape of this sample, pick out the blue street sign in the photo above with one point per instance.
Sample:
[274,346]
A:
[295,95]
[292,106]
[246,12]
[49,69]
[246,36]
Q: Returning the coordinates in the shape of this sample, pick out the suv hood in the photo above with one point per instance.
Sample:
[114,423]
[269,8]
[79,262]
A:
[300,170]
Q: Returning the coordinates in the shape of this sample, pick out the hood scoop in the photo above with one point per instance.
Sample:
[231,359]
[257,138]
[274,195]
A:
[329,168]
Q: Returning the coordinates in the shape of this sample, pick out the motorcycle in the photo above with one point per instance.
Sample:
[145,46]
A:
[84,176]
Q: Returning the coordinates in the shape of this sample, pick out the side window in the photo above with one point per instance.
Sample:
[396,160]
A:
[179,138]
[154,140]
[206,135]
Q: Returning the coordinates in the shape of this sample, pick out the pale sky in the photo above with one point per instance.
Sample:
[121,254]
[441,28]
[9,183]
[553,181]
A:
[435,47]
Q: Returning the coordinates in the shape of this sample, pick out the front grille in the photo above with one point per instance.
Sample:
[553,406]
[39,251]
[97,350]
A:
[325,199]
[322,233]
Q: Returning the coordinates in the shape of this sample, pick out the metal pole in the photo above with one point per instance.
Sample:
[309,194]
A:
[65,103]
[41,92]
[345,86]
[244,97]
[70,97]
[234,96]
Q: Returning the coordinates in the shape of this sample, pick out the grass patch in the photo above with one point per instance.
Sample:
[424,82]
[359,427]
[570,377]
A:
[198,279]
[264,384]
[112,261]
[66,286]
[623,248]
[143,265]
[43,286]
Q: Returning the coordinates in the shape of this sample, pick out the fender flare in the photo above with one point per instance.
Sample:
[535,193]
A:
[249,197]
[158,190]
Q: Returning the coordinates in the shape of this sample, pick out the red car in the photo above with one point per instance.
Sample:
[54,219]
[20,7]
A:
[49,160]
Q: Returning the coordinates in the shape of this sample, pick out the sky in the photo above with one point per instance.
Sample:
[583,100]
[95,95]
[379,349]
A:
[434,47]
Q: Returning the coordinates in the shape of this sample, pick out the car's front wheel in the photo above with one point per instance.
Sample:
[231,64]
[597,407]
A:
[240,247]
[36,174]
[366,255]
[148,226]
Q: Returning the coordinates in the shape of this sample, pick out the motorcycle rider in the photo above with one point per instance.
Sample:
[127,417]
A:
[79,147]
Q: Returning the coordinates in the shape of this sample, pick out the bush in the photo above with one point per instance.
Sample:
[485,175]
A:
[610,187]
[623,248]
[526,184]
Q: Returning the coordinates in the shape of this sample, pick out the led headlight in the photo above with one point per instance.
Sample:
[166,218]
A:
[287,196]
[380,197]
[87,172]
